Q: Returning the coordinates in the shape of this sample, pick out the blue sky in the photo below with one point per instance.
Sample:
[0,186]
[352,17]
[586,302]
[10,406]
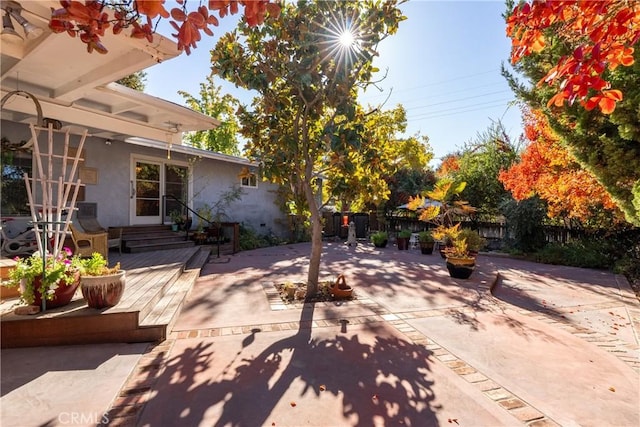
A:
[443,65]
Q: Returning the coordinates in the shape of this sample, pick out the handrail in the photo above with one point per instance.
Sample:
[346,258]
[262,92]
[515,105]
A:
[184,206]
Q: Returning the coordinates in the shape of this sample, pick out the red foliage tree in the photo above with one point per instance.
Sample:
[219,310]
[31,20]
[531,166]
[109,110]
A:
[601,33]
[90,20]
[450,164]
[547,169]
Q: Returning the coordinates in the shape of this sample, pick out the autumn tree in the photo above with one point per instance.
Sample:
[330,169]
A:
[547,170]
[448,165]
[224,138]
[606,142]
[90,21]
[306,67]
[599,36]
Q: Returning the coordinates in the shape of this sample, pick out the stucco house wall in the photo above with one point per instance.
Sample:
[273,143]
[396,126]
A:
[209,178]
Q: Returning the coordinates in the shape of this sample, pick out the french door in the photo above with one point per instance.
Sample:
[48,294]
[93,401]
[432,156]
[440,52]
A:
[150,180]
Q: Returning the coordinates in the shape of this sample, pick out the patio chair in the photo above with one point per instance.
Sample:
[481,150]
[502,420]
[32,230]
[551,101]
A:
[88,243]
[87,216]
[115,239]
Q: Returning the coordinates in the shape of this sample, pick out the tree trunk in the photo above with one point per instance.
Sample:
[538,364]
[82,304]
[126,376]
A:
[316,241]
[316,254]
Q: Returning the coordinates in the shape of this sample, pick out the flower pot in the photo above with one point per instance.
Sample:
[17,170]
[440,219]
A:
[290,291]
[382,244]
[103,291]
[403,243]
[460,268]
[460,271]
[426,248]
[62,295]
[340,289]
[174,227]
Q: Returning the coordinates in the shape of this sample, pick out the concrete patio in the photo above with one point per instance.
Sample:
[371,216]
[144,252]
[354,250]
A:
[517,344]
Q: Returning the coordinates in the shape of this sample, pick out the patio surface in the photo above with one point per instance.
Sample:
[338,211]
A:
[517,344]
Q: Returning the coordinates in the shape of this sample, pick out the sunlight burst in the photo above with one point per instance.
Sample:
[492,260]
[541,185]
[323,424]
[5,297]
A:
[343,39]
[346,39]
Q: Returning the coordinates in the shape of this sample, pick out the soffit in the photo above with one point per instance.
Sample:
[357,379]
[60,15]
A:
[75,87]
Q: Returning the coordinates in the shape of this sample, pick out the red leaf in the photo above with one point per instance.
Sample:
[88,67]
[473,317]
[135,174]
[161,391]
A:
[607,105]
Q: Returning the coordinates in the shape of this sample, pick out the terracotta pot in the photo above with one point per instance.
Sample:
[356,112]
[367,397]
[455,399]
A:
[61,297]
[103,291]
[340,289]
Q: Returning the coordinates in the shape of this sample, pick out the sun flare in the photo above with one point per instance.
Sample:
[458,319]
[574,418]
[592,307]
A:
[343,38]
[346,39]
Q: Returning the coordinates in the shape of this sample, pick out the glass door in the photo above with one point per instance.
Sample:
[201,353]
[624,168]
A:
[145,192]
[176,185]
[151,180]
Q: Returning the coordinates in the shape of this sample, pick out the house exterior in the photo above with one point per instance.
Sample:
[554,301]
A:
[133,155]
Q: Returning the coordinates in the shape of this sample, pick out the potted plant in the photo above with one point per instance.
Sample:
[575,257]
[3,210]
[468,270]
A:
[460,263]
[475,242]
[102,286]
[177,219]
[403,239]
[289,289]
[444,211]
[379,239]
[426,240]
[54,277]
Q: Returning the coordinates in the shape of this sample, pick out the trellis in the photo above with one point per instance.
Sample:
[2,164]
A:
[51,199]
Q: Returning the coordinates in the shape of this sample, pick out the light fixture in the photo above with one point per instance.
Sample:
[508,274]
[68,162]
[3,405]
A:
[8,32]
[13,10]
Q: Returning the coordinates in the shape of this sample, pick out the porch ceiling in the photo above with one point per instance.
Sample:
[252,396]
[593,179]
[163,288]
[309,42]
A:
[76,87]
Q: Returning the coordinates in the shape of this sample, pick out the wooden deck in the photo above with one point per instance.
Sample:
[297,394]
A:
[157,284]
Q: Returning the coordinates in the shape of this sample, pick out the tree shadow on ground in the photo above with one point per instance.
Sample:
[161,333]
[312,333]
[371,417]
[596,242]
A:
[362,379]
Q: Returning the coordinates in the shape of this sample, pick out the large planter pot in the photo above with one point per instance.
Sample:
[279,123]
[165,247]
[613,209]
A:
[403,243]
[103,291]
[460,268]
[62,295]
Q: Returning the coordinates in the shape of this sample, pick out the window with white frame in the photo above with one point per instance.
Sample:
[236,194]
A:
[249,180]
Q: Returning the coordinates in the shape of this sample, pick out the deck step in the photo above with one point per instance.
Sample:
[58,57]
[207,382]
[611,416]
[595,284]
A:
[165,311]
[157,285]
[150,247]
[199,259]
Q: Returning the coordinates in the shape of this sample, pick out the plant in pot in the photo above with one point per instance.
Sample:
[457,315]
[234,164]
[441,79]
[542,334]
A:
[475,242]
[177,219]
[380,239]
[460,263]
[102,286]
[426,241]
[54,277]
[403,239]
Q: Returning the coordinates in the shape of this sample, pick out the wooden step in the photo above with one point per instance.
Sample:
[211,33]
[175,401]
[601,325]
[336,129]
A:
[156,286]
[165,311]
[150,247]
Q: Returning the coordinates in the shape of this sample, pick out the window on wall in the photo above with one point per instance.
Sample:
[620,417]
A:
[14,193]
[249,180]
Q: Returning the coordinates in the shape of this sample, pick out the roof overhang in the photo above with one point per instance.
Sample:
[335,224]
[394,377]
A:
[191,151]
[75,87]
